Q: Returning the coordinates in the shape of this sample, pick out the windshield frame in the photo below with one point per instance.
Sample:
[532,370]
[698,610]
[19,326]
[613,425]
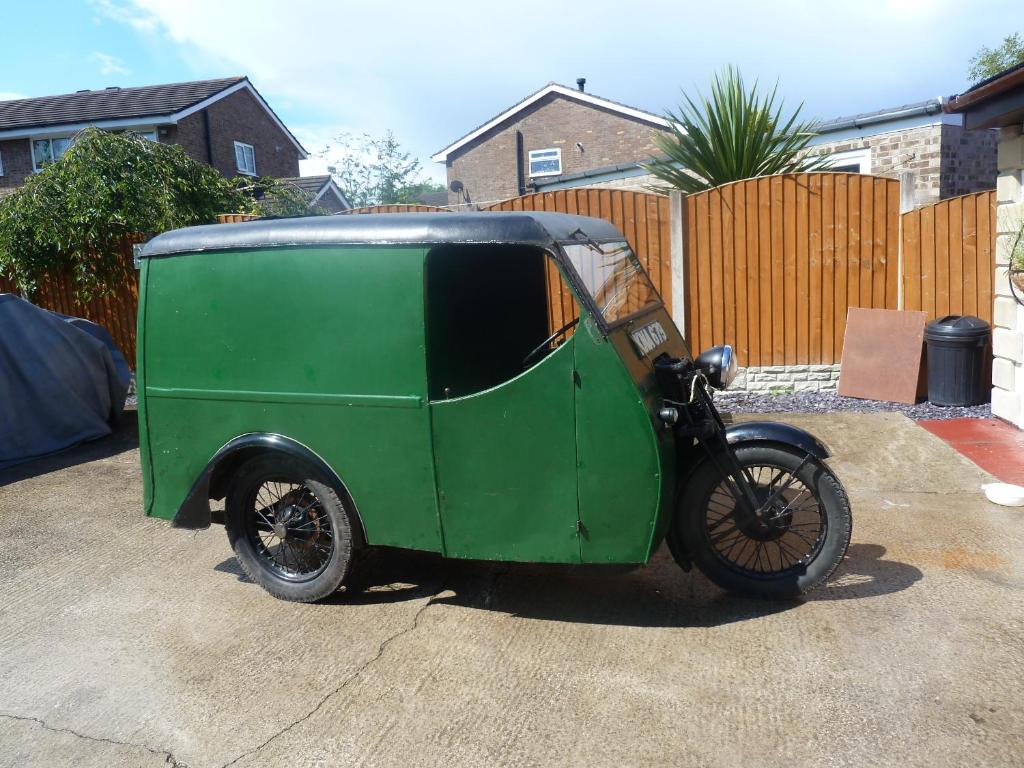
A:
[583,293]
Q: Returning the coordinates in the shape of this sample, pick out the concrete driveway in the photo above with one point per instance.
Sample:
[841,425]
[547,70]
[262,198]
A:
[124,642]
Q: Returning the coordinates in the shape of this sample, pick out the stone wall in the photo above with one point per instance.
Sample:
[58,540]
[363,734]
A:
[1008,334]
[946,160]
[787,378]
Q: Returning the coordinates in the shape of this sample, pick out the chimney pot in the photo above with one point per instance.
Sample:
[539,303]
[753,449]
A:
[580,82]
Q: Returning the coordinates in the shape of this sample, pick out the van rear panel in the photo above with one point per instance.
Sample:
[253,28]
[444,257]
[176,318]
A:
[324,345]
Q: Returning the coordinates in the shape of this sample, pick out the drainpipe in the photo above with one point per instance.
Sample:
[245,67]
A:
[207,134]
[520,171]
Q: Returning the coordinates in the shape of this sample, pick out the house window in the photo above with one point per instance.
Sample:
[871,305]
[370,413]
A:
[854,161]
[245,158]
[545,162]
[46,151]
[1,164]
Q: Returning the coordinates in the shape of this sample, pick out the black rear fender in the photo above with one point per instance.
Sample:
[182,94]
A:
[215,479]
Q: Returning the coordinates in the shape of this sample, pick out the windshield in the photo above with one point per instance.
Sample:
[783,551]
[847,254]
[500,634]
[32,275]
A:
[613,277]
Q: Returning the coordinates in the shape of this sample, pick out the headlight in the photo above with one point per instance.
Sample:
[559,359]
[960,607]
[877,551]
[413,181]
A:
[719,365]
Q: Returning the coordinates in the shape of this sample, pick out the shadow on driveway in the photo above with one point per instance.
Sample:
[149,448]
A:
[658,595]
[124,438]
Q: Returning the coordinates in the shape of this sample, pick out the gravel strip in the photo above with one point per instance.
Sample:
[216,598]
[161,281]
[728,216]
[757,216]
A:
[830,402]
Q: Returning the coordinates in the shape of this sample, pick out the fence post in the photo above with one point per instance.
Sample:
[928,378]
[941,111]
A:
[906,206]
[677,236]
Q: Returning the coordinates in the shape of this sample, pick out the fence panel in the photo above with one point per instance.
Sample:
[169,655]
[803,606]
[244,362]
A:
[775,262]
[398,208]
[949,257]
[116,312]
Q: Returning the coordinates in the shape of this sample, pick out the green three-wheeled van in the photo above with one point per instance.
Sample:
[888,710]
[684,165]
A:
[497,386]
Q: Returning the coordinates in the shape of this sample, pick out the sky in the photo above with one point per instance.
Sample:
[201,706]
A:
[432,72]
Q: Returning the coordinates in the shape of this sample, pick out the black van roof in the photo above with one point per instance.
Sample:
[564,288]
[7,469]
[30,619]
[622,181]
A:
[519,227]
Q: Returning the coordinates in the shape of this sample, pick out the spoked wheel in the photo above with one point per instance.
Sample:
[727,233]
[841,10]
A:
[784,549]
[290,531]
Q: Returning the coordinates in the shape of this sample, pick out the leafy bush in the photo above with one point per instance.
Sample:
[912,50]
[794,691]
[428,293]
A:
[73,215]
[738,133]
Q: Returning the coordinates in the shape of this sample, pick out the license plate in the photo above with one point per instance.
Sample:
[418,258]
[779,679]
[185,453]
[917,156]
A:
[647,338]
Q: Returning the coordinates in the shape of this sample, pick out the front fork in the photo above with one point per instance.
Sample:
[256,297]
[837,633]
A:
[698,418]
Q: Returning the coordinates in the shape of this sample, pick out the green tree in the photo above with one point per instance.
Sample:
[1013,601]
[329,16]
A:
[73,215]
[988,62]
[414,193]
[374,171]
[736,133]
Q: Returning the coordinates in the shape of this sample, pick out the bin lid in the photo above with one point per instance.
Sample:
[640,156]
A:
[966,327]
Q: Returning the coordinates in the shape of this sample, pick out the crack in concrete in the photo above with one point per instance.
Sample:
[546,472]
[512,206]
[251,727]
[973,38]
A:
[348,680]
[169,757]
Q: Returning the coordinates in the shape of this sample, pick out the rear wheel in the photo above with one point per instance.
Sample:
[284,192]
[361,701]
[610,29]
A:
[291,532]
[785,550]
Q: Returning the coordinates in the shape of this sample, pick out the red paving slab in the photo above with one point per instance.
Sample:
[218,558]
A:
[993,445]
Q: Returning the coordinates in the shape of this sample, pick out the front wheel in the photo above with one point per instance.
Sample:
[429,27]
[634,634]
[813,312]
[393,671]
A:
[784,550]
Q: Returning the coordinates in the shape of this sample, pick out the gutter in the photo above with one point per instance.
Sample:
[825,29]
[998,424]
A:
[860,121]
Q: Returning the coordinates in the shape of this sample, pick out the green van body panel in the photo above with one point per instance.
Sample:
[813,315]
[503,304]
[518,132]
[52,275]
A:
[620,476]
[281,341]
[327,345]
[506,467]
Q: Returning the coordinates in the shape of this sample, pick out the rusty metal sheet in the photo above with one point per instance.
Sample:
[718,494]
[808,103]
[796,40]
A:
[882,355]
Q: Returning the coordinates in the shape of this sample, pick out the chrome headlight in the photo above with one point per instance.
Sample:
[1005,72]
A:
[719,365]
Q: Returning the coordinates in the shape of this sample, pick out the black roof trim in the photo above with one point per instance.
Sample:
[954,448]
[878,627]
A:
[522,228]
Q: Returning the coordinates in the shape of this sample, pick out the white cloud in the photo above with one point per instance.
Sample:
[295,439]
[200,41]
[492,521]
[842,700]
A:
[124,12]
[432,72]
[109,65]
[11,95]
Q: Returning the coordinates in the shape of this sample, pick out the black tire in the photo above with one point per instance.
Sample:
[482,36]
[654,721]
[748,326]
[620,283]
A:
[702,531]
[321,526]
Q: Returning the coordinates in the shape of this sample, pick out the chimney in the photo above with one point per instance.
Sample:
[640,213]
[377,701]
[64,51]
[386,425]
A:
[580,82]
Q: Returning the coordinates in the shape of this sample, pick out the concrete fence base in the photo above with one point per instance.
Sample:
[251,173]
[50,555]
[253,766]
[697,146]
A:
[787,378]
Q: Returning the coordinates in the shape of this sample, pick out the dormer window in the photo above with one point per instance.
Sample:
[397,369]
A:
[545,162]
[245,158]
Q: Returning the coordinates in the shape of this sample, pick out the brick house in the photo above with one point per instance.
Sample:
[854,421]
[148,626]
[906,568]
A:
[554,132]
[224,123]
[559,138]
[324,195]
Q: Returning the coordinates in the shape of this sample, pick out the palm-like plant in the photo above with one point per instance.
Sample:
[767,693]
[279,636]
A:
[736,134]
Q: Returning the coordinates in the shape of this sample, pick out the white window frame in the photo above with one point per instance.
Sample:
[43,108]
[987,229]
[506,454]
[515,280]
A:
[32,148]
[530,160]
[859,157]
[147,132]
[252,152]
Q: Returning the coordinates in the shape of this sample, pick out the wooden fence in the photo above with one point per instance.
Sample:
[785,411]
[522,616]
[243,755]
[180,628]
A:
[770,265]
[773,263]
[397,208]
[115,312]
[949,257]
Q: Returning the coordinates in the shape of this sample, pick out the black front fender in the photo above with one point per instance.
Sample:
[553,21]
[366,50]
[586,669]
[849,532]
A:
[776,432]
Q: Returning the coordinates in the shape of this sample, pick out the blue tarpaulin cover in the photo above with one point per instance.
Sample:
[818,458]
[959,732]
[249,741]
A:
[62,381]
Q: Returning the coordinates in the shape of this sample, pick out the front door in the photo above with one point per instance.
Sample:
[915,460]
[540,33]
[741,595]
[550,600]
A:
[506,467]
[503,424]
